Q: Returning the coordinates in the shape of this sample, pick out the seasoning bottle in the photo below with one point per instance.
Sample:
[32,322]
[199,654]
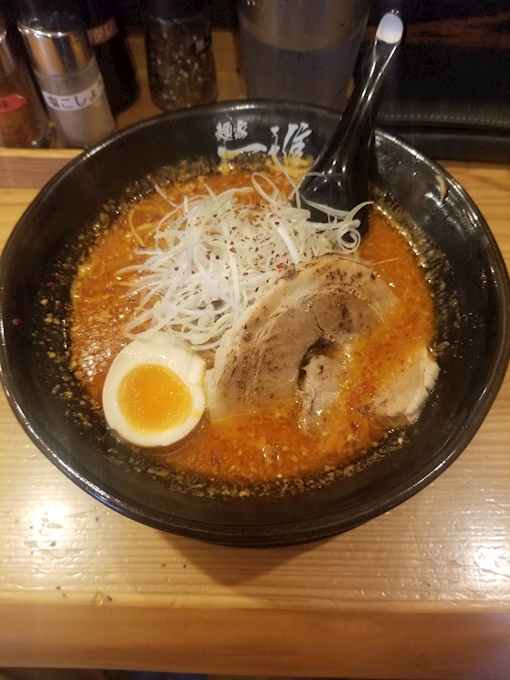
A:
[108,39]
[180,62]
[69,77]
[23,121]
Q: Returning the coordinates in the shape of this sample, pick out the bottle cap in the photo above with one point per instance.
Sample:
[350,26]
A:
[57,43]
[174,9]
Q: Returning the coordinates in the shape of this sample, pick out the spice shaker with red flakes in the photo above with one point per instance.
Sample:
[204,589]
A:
[23,120]
[180,61]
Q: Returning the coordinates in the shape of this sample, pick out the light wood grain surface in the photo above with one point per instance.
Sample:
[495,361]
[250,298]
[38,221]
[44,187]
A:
[420,592]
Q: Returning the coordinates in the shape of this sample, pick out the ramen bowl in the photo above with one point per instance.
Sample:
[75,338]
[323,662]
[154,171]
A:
[466,270]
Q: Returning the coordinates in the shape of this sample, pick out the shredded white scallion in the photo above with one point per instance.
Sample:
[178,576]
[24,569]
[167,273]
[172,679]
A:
[214,254]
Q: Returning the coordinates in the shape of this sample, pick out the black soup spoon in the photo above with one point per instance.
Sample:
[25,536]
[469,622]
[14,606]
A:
[339,178]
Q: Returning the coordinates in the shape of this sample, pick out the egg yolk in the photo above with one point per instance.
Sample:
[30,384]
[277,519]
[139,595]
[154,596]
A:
[152,398]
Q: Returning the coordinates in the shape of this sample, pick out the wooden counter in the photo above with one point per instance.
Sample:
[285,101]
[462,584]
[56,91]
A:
[420,592]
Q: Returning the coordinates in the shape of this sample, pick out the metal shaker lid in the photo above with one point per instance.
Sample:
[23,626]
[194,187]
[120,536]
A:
[56,42]
[7,63]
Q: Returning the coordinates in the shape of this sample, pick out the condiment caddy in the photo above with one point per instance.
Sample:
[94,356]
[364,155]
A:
[32,168]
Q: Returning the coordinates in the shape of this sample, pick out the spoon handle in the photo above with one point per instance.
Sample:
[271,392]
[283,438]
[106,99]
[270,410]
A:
[339,177]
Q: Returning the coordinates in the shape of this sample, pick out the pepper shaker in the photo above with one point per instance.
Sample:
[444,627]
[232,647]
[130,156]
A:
[107,37]
[180,61]
[69,77]
[23,121]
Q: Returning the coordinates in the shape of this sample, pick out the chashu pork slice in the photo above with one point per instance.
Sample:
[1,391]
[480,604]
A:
[324,378]
[400,401]
[329,299]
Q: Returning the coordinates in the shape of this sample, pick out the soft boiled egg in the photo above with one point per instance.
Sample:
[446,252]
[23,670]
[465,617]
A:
[153,394]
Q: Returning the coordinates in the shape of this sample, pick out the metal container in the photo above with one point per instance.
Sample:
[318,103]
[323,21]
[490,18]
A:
[69,77]
[301,50]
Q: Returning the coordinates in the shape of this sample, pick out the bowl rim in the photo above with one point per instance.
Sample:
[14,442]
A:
[303,530]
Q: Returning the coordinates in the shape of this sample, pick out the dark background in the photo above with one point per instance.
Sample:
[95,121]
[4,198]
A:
[451,78]
[223,12]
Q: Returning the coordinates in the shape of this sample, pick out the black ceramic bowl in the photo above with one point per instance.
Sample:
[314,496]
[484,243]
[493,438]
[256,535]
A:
[466,269]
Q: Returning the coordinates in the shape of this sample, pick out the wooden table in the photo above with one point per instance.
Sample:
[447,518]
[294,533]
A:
[420,592]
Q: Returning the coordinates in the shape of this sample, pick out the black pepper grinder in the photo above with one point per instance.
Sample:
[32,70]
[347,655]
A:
[180,61]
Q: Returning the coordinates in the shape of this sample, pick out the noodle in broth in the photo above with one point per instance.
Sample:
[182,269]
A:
[266,444]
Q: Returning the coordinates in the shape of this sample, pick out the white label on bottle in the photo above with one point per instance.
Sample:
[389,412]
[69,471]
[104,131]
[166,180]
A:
[76,101]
